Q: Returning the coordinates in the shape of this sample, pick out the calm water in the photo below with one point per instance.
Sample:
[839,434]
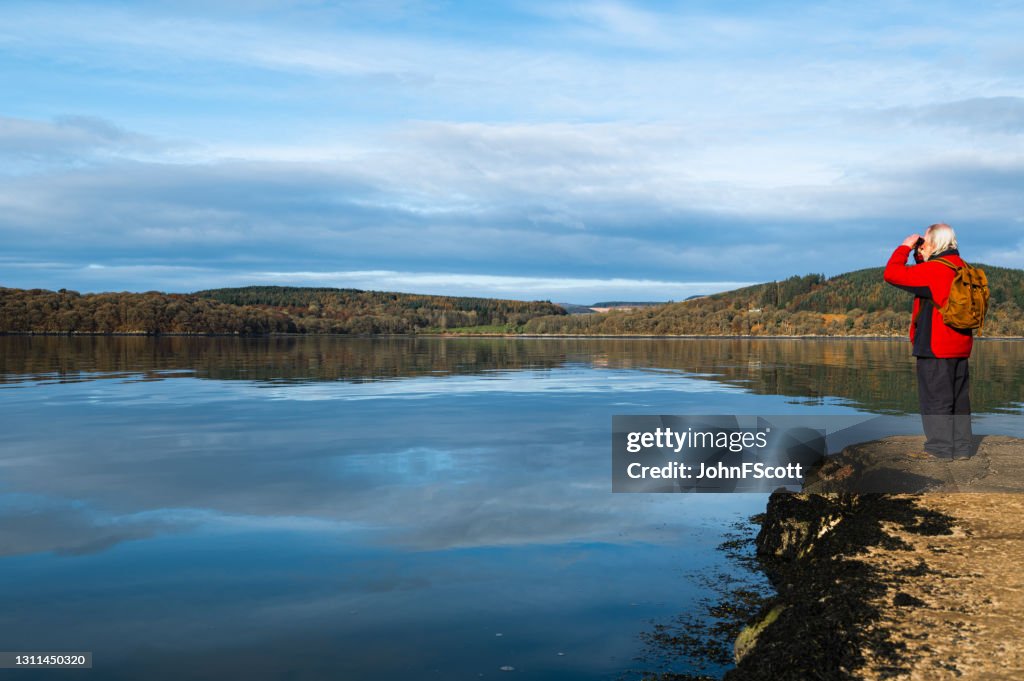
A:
[310,508]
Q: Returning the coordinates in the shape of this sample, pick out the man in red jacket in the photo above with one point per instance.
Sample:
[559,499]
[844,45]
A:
[943,382]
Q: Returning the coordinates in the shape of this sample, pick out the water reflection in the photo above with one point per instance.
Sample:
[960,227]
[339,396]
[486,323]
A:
[427,464]
[376,508]
[873,376]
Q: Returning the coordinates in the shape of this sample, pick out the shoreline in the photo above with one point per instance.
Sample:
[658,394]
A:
[144,334]
[910,586]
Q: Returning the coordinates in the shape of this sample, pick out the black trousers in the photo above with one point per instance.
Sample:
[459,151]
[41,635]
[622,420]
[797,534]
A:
[943,388]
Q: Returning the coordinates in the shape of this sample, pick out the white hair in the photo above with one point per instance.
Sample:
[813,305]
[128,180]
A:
[941,237]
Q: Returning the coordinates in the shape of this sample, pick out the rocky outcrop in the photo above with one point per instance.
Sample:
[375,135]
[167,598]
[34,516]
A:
[896,465]
[894,586]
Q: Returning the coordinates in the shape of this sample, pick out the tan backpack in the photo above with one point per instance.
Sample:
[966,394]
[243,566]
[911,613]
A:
[968,298]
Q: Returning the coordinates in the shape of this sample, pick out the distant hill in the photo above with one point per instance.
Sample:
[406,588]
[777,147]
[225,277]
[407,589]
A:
[573,308]
[620,303]
[855,303]
[259,310]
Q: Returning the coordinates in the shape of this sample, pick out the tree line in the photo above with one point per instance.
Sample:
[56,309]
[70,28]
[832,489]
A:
[853,304]
[256,310]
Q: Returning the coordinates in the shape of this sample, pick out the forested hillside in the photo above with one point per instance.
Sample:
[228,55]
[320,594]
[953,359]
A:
[257,310]
[855,303]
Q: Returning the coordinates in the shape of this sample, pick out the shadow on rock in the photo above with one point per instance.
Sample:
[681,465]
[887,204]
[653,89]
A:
[818,626]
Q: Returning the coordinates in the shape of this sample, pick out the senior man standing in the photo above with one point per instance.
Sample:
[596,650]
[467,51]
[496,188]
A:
[942,351]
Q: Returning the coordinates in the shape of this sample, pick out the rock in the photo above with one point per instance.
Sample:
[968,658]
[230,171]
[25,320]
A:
[914,586]
[793,522]
[747,639]
[889,466]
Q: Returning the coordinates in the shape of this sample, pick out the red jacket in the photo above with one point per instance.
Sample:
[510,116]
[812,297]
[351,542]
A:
[929,282]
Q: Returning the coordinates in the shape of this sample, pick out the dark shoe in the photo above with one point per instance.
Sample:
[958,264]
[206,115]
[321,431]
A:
[930,456]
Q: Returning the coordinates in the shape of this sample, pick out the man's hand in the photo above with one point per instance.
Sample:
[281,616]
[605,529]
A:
[911,240]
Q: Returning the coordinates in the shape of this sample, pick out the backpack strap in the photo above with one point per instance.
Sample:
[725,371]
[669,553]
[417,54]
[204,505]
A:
[913,317]
[947,263]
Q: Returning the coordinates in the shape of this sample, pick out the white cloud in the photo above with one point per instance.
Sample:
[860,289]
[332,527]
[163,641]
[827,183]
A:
[564,289]
[1002,114]
[606,140]
[94,277]
[69,138]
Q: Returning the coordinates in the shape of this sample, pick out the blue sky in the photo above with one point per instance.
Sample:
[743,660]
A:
[573,151]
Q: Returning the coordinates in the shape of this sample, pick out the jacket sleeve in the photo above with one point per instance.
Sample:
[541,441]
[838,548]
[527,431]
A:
[914,279]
